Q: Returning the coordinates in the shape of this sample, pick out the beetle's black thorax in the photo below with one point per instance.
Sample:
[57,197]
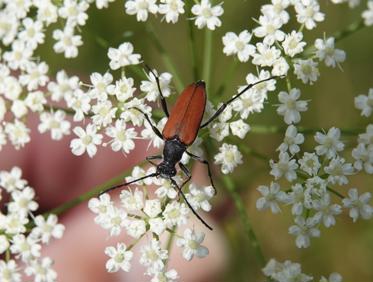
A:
[172,153]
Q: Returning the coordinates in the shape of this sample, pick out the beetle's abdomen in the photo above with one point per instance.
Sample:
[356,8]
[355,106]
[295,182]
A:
[186,116]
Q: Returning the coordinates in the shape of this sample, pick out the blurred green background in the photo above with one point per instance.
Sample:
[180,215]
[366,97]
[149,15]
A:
[346,248]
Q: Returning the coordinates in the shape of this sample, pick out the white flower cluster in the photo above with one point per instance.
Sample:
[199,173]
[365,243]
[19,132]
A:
[139,215]
[22,234]
[290,271]
[205,15]
[315,176]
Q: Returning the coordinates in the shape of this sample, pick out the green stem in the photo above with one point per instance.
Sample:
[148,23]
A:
[207,55]
[271,129]
[228,76]
[53,108]
[253,153]
[165,57]
[90,194]
[245,220]
[169,243]
[192,43]
[335,192]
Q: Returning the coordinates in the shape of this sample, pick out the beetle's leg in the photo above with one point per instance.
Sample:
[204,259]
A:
[163,100]
[205,162]
[150,158]
[155,129]
[127,183]
[225,104]
[188,204]
[187,173]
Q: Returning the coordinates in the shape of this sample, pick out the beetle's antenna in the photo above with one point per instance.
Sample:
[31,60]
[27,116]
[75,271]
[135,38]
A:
[189,205]
[225,104]
[127,183]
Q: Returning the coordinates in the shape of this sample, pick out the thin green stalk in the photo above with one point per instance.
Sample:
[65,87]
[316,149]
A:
[192,43]
[253,153]
[165,57]
[53,108]
[335,192]
[90,194]
[245,220]
[169,243]
[207,56]
[228,76]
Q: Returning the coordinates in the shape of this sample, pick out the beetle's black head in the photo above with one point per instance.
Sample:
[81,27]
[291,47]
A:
[166,170]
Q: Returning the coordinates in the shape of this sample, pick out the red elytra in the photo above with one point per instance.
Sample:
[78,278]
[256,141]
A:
[186,116]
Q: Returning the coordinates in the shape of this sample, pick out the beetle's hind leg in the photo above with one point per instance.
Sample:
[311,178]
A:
[151,158]
[155,129]
[205,162]
[163,99]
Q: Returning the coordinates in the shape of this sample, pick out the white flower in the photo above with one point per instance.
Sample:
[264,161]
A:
[365,103]
[290,106]
[304,230]
[171,9]
[239,128]
[326,210]
[306,70]
[229,157]
[35,76]
[330,144]
[291,140]
[219,130]
[47,228]
[152,207]
[104,112]
[132,201]
[42,270]
[333,277]
[19,56]
[14,223]
[148,133]
[123,56]
[296,198]
[12,180]
[56,123]
[266,55]
[100,85]
[272,196]
[285,272]
[17,133]
[46,12]
[367,137]
[363,158]
[32,33]
[103,3]
[368,14]
[138,172]
[123,88]
[135,228]
[326,52]
[310,163]
[269,29]
[308,13]
[132,115]
[19,108]
[358,205]
[80,103]
[337,169]
[315,190]
[27,248]
[120,258]
[293,43]
[115,220]
[285,167]
[87,141]
[122,137]
[166,189]
[35,101]
[175,214]
[101,207]
[64,86]
[141,8]
[199,198]
[22,201]
[239,45]
[169,276]
[74,12]
[157,225]
[276,10]
[152,256]
[151,88]
[9,271]
[206,15]
[191,242]
[67,42]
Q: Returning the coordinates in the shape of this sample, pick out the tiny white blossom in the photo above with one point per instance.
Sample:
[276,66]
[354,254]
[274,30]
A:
[74,12]
[152,256]
[306,70]
[67,42]
[291,140]
[363,158]
[64,86]
[152,207]
[239,128]
[120,258]
[171,9]
[277,10]
[330,144]
[26,248]
[42,270]
[87,141]
[365,103]
[308,13]
[265,55]
[229,157]
[337,170]
[23,201]
[272,196]
[310,163]
[207,15]
[123,89]
[290,106]
[104,112]
[157,225]
[12,180]
[368,14]
[141,8]
[293,43]
[35,76]
[191,244]
[123,56]
[325,210]
[358,205]
[175,214]
[35,101]
[326,52]
[151,88]
[169,276]
[269,29]
[132,201]
[17,133]
[115,220]
[296,198]
[285,167]
[100,85]
[47,228]
[122,137]
[32,33]
[56,123]
[304,230]
[135,228]
[9,271]
[199,198]
[239,45]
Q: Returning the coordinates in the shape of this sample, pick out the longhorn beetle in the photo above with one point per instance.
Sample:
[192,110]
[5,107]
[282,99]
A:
[180,131]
